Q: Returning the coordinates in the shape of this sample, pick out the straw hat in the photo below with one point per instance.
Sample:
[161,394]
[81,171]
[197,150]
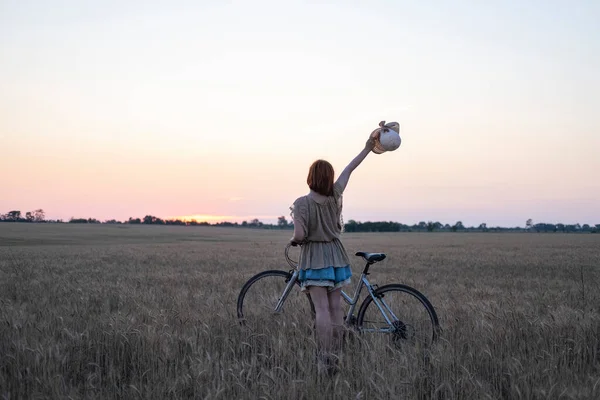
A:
[383,127]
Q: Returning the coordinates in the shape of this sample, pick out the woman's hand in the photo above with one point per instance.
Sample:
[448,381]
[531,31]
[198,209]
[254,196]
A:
[370,144]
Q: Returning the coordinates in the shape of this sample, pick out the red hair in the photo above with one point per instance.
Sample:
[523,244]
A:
[320,177]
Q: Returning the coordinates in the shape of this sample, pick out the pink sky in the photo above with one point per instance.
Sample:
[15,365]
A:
[122,112]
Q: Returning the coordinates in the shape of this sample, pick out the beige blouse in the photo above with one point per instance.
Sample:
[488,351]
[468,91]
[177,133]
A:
[320,217]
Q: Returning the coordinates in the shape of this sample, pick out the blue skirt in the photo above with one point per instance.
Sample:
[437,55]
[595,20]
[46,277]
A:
[330,277]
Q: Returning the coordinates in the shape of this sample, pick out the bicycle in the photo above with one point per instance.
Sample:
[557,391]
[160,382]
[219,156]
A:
[397,319]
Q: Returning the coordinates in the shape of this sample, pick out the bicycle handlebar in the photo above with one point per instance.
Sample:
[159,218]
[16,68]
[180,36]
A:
[293,264]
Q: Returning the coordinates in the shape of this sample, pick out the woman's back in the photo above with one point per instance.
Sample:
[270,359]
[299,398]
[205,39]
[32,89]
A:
[320,216]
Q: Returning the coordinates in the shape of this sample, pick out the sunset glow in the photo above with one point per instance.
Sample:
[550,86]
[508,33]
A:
[223,218]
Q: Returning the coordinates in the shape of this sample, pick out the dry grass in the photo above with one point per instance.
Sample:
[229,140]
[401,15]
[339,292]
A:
[149,312]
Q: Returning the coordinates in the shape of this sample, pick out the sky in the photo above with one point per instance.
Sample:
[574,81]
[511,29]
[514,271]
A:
[120,109]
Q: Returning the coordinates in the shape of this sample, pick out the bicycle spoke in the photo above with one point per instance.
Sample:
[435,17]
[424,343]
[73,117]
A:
[257,303]
[411,322]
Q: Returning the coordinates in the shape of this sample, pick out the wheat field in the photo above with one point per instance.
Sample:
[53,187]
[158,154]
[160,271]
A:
[122,311]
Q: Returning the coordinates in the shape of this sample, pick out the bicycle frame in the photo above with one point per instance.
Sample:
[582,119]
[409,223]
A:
[385,310]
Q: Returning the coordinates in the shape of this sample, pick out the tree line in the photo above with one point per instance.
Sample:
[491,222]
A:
[38,216]
[430,226]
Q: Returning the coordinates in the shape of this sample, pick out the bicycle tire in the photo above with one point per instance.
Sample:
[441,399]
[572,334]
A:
[400,328]
[284,275]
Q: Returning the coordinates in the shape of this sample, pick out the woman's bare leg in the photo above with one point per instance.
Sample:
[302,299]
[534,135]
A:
[323,317]
[337,318]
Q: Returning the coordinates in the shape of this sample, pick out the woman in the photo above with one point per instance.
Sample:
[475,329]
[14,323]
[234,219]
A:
[324,264]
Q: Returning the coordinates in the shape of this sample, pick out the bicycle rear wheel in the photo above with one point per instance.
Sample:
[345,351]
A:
[259,297]
[412,318]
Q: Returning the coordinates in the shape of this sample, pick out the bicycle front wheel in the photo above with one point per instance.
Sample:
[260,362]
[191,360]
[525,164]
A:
[259,297]
[401,312]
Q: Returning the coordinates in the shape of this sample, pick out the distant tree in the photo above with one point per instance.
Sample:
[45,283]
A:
[13,216]
[29,216]
[112,221]
[377,226]
[529,224]
[256,223]
[244,223]
[483,227]
[430,226]
[458,226]
[571,228]
[586,228]
[544,227]
[225,223]
[282,222]
[422,225]
[447,227]
[174,222]
[39,215]
[134,221]
[350,226]
[152,220]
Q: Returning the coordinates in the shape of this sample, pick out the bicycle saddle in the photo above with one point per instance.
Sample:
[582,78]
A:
[371,257]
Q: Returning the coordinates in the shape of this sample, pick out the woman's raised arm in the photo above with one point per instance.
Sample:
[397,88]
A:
[342,180]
